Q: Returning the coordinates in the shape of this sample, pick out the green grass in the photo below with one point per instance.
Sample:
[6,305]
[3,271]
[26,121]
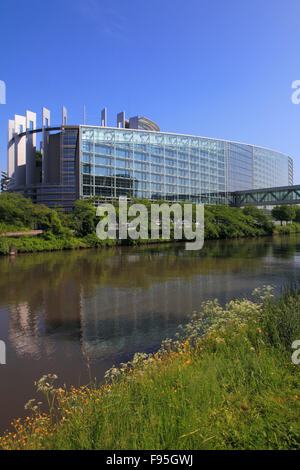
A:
[227,383]
[50,242]
[13,228]
[26,244]
[288,229]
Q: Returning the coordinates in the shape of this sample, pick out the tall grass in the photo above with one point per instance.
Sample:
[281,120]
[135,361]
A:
[287,229]
[50,242]
[226,383]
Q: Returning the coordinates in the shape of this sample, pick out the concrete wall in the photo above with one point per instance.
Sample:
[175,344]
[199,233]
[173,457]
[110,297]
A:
[45,141]
[54,153]
[10,150]
[30,148]
[134,122]
[20,150]
[121,119]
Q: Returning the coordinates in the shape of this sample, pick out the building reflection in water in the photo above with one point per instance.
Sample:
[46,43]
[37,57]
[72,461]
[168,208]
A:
[57,309]
[118,302]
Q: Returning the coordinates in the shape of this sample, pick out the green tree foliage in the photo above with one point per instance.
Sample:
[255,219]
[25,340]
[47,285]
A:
[19,212]
[297,216]
[16,210]
[232,222]
[47,219]
[84,217]
[262,220]
[220,221]
[284,213]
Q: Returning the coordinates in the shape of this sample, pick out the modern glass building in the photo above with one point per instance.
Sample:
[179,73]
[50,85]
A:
[157,165]
[137,160]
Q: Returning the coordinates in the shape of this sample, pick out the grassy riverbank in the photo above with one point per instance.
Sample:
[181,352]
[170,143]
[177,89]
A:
[78,228]
[287,229]
[51,242]
[227,383]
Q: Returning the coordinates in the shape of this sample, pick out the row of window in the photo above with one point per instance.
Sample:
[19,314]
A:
[154,168]
[121,149]
[182,169]
[109,159]
[108,171]
[142,193]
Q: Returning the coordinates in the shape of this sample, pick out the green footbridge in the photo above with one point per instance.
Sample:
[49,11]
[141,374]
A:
[266,196]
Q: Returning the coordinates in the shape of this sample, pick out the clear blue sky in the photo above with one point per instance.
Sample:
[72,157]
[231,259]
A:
[217,68]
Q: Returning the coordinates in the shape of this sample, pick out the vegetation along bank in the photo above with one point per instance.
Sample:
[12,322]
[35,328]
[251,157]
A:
[227,382]
[78,228]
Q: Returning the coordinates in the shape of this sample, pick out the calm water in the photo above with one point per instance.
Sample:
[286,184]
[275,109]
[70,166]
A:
[58,308]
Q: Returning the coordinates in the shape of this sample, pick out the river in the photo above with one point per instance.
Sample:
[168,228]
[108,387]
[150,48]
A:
[61,311]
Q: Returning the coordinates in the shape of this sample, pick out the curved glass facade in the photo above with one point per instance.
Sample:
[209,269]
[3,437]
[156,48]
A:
[271,169]
[134,159]
[155,165]
[152,165]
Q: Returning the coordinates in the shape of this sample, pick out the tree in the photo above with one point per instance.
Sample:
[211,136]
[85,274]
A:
[16,210]
[284,213]
[297,217]
[19,211]
[84,215]
[254,211]
[262,220]
[47,219]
